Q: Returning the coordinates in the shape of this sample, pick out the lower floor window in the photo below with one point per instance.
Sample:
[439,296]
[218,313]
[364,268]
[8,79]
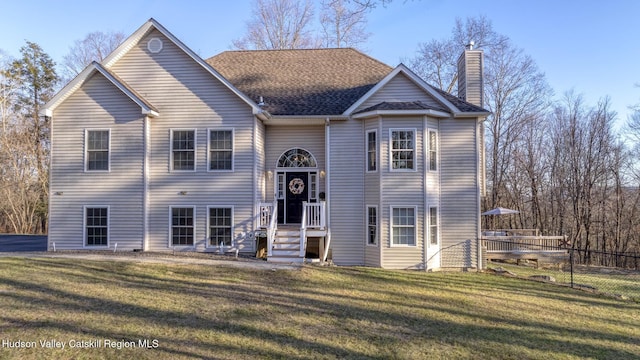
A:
[182,226]
[97,226]
[403,226]
[220,227]
[372,225]
[433,225]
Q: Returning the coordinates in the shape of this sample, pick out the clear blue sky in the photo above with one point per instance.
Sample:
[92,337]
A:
[590,46]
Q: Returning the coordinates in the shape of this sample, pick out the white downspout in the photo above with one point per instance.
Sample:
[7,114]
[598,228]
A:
[380,192]
[425,187]
[145,175]
[479,144]
[327,149]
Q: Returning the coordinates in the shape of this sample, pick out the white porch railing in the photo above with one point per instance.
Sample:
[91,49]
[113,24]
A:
[313,217]
[272,226]
[265,211]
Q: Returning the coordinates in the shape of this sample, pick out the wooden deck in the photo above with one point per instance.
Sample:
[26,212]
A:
[510,244]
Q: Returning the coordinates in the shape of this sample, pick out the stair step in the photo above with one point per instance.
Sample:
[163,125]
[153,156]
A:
[286,245]
[288,233]
[285,259]
[285,252]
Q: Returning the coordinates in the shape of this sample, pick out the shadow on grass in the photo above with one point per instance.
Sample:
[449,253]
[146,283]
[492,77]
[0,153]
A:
[392,306]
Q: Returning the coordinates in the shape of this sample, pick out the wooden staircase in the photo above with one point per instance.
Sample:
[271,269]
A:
[286,246]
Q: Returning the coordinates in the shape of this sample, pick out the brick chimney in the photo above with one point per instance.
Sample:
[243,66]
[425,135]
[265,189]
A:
[470,75]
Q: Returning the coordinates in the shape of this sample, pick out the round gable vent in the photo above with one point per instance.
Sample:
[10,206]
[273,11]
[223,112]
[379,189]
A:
[154,45]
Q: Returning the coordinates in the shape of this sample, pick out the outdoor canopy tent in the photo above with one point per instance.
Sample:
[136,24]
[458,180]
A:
[500,211]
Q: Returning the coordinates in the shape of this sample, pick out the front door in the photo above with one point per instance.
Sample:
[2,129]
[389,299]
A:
[297,190]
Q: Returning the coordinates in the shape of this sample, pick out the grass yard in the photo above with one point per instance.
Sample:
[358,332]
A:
[198,311]
[610,281]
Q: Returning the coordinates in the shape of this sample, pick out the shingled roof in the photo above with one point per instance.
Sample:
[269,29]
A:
[403,105]
[301,82]
[459,103]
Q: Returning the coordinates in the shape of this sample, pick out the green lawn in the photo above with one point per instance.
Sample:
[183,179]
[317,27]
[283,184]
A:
[197,311]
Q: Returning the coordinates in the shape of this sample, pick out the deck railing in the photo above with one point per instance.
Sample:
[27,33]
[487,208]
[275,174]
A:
[524,243]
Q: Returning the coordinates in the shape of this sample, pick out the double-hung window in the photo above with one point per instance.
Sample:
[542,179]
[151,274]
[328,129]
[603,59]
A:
[182,226]
[220,226]
[433,225]
[403,226]
[402,149]
[221,150]
[372,225]
[433,150]
[372,151]
[96,222]
[183,150]
[97,150]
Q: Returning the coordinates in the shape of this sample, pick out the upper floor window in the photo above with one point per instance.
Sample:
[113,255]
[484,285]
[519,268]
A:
[402,149]
[97,150]
[220,149]
[183,150]
[433,150]
[372,151]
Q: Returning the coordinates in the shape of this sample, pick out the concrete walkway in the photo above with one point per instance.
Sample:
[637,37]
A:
[159,258]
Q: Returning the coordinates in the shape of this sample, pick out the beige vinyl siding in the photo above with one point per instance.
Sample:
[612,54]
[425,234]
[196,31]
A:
[188,97]
[98,104]
[459,208]
[400,88]
[372,193]
[470,78]
[279,139]
[402,189]
[347,193]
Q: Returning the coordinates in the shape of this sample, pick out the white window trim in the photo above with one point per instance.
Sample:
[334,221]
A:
[86,151]
[415,164]
[437,225]
[195,150]
[233,226]
[366,151]
[377,226]
[195,217]
[84,227]
[415,225]
[233,149]
[428,149]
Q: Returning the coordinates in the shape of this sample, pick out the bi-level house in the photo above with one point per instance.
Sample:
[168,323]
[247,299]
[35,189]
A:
[323,152]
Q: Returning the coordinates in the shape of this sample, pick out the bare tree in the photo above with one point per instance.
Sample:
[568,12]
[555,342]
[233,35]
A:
[436,60]
[94,47]
[517,95]
[343,23]
[278,24]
